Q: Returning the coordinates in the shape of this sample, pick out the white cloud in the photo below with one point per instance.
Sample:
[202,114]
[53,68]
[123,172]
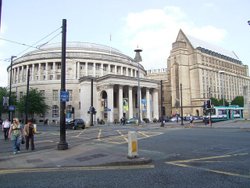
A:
[156,29]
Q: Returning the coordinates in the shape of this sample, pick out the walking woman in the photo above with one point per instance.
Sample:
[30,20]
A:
[29,132]
[15,134]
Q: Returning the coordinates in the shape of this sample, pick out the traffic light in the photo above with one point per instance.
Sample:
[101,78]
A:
[91,110]
[205,105]
[208,104]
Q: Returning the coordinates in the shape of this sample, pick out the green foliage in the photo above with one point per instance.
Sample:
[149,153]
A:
[36,103]
[239,100]
[214,101]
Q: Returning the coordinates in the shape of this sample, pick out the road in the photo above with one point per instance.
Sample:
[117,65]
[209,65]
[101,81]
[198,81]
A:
[182,157]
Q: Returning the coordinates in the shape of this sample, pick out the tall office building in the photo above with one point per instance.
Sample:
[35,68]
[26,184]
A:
[204,71]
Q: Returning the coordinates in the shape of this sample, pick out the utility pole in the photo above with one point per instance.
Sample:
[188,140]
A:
[10,100]
[63,145]
[210,109]
[162,124]
[27,97]
[138,59]
[181,106]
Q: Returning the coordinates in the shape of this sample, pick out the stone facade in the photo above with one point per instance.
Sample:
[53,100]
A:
[115,80]
[204,71]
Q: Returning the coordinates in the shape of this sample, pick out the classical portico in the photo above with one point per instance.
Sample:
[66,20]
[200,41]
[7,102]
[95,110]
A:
[116,97]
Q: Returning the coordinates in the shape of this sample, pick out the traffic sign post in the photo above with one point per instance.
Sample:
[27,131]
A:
[64,96]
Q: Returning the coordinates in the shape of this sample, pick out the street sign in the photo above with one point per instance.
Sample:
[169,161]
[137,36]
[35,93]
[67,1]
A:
[64,96]
[107,109]
[11,108]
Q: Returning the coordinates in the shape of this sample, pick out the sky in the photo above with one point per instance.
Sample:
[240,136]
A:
[152,25]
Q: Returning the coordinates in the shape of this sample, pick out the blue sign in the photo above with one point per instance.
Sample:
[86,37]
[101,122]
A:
[11,108]
[107,109]
[64,96]
[144,101]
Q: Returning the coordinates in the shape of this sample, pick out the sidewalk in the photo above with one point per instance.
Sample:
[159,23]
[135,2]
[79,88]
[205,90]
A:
[77,156]
[80,155]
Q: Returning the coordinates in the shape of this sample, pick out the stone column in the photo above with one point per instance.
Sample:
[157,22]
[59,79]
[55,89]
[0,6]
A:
[78,70]
[39,71]
[130,102]
[22,72]
[155,104]
[120,102]
[102,69]
[33,72]
[148,104]
[110,93]
[18,74]
[47,71]
[94,69]
[86,69]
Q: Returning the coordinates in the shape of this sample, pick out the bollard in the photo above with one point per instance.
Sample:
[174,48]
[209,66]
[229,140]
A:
[132,145]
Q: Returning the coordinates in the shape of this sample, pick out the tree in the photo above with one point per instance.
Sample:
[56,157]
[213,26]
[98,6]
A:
[214,101]
[239,100]
[36,103]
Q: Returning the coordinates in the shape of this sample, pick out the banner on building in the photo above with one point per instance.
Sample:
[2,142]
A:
[5,102]
[125,104]
[144,105]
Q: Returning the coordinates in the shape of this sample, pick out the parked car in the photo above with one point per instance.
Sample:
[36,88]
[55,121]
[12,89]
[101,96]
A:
[75,124]
[165,119]
[174,119]
[133,120]
[146,120]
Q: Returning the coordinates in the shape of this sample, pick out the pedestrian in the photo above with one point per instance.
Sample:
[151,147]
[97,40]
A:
[191,120]
[123,120]
[5,128]
[15,134]
[29,132]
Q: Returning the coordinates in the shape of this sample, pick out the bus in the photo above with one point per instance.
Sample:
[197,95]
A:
[222,113]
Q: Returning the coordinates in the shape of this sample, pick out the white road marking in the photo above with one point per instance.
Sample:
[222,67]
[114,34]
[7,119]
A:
[182,163]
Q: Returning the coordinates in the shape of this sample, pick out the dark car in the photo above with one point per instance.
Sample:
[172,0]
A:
[75,124]
[133,120]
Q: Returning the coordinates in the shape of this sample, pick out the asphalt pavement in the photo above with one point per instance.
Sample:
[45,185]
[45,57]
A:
[90,154]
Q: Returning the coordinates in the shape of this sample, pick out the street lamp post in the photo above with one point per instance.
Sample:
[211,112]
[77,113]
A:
[27,97]
[138,59]
[222,85]
[11,62]
[63,145]
[181,106]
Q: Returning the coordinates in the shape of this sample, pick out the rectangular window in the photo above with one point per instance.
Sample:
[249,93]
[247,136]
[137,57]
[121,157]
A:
[98,66]
[70,94]
[58,64]
[55,111]
[42,92]
[55,95]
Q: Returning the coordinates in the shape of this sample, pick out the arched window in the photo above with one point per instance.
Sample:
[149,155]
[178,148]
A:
[55,111]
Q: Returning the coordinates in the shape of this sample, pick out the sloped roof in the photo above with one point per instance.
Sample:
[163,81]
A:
[199,43]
